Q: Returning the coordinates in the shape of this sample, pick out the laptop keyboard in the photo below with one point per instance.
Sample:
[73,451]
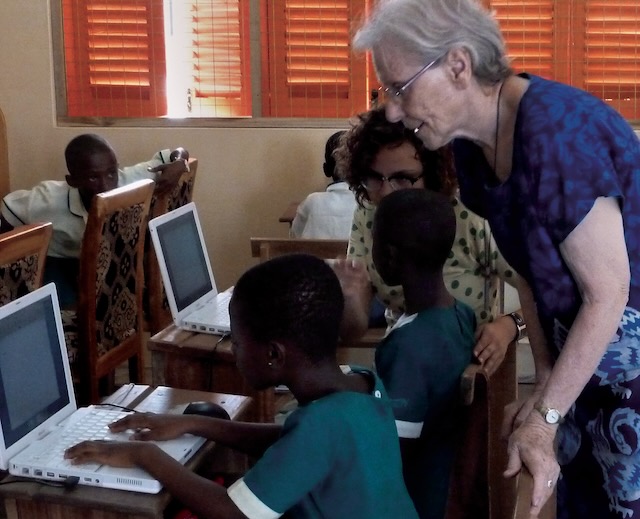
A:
[94,425]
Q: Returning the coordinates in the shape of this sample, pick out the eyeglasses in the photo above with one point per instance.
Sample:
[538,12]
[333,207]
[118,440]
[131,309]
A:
[397,93]
[373,181]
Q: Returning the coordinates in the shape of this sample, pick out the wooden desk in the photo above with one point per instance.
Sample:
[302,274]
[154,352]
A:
[30,500]
[289,213]
[201,361]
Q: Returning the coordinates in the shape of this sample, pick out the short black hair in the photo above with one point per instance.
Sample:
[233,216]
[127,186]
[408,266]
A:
[83,146]
[329,166]
[297,298]
[419,222]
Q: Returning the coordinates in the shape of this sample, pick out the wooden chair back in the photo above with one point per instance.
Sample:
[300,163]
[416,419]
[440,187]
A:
[478,488]
[109,313]
[4,158]
[267,248]
[23,252]
[157,307]
[523,499]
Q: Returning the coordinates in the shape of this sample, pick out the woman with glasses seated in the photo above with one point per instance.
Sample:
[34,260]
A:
[377,157]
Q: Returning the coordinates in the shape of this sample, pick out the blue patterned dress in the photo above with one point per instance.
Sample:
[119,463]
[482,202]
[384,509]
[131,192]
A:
[569,149]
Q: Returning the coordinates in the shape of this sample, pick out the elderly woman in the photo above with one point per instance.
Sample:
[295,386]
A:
[557,173]
[377,157]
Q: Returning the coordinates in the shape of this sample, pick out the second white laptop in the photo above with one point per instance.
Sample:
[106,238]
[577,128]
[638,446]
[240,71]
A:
[38,414]
[194,300]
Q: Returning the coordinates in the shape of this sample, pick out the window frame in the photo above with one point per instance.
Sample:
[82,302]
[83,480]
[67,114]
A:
[256,121]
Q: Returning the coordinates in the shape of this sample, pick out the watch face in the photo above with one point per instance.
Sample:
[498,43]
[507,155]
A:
[552,416]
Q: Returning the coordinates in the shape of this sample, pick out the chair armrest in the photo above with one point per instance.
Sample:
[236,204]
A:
[468,382]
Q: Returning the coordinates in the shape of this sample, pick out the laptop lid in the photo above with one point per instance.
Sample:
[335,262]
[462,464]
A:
[184,263]
[36,388]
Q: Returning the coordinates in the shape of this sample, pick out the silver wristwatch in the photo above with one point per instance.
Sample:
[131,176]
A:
[551,416]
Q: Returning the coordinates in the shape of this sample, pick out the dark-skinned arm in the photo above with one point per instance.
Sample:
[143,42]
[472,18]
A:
[248,437]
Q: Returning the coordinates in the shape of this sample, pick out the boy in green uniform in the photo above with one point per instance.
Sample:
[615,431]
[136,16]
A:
[422,357]
[337,456]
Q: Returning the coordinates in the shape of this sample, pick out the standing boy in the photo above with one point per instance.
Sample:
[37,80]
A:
[421,359]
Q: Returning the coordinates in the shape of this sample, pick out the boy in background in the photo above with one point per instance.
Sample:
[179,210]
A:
[421,359]
[92,168]
[326,214]
[336,456]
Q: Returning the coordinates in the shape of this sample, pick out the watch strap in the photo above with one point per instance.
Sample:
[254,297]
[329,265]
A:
[520,325]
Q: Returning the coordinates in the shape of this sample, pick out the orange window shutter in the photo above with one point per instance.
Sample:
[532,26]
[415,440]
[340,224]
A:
[114,58]
[529,31]
[611,47]
[309,68]
[221,65]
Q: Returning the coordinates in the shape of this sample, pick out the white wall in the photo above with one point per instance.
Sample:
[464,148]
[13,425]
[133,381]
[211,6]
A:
[246,177]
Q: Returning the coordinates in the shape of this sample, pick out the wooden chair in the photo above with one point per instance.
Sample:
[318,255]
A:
[109,317]
[267,248]
[4,158]
[23,252]
[478,488]
[158,314]
[523,499]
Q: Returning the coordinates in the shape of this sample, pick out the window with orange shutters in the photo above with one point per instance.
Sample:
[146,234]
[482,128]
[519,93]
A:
[591,44]
[301,65]
[116,65]
[310,69]
[114,58]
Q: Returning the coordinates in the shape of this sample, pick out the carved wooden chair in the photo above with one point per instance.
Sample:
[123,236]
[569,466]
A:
[478,489]
[23,252]
[157,308]
[107,327]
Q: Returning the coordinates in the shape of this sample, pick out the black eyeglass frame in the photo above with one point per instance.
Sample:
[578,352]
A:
[392,179]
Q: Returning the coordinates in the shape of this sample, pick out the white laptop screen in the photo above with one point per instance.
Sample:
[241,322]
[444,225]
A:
[32,377]
[184,259]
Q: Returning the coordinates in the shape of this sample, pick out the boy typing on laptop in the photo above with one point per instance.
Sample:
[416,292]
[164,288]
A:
[336,456]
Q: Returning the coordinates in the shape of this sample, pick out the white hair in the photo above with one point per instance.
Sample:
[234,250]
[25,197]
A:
[428,29]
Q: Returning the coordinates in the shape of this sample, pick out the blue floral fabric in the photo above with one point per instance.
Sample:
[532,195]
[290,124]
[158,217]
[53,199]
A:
[569,149]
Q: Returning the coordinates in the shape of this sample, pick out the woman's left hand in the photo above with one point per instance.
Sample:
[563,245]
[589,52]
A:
[531,445]
[492,341]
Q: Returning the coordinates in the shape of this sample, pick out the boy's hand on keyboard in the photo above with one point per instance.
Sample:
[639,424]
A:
[115,454]
[151,426]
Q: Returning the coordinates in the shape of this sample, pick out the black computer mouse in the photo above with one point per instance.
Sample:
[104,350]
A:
[207,409]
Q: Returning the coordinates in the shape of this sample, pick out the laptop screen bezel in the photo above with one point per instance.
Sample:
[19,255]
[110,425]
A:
[155,230]
[58,410]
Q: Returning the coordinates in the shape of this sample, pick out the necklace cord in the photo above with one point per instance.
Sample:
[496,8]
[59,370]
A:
[495,149]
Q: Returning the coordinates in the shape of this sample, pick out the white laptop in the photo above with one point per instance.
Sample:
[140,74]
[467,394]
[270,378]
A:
[39,418]
[195,302]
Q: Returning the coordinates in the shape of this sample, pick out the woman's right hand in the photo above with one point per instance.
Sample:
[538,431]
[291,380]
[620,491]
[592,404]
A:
[353,276]
[151,426]
[356,288]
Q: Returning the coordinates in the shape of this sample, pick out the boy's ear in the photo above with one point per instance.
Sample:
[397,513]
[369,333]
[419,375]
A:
[276,354]
[70,181]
